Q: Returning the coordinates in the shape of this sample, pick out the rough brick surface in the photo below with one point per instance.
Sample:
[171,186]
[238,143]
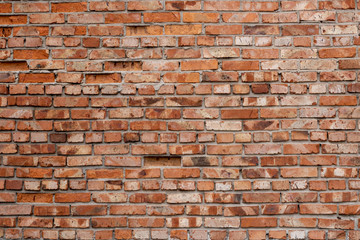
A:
[173,119]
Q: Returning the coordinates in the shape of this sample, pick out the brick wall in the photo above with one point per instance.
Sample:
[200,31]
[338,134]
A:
[179,119]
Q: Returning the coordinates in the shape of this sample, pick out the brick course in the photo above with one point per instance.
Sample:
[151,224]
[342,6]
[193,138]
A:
[179,119]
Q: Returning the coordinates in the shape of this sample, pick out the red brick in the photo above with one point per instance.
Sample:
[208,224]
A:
[183,222]
[35,197]
[260,53]
[14,19]
[51,211]
[261,30]
[297,222]
[260,173]
[258,222]
[108,153]
[199,65]
[335,223]
[338,100]
[260,197]
[31,54]
[299,197]
[261,6]
[105,30]
[223,30]
[31,7]
[36,78]
[298,30]
[71,222]
[337,52]
[50,18]
[35,222]
[279,17]
[68,7]
[240,65]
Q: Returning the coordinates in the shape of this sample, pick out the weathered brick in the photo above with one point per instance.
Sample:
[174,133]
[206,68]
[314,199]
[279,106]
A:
[152,107]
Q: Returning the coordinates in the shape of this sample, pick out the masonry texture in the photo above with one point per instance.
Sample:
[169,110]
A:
[179,119]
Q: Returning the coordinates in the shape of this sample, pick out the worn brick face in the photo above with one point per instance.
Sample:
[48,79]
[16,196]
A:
[171,119]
